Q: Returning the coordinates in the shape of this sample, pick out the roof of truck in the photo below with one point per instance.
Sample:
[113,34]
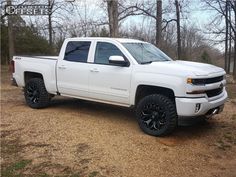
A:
[121,40]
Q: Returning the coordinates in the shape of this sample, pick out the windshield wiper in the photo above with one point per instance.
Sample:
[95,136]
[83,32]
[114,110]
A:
[146,62]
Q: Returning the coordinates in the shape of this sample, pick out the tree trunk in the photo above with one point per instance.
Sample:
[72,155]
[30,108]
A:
[50,29]
[50,24]
[10,35]
[112,7]
[158,23]
[226,36]
[178,29]
[234,71]
[230,41]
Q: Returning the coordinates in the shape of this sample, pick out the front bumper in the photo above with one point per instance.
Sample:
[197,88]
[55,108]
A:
[186,107]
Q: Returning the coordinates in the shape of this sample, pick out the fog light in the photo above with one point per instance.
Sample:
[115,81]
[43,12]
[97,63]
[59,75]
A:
[197,108]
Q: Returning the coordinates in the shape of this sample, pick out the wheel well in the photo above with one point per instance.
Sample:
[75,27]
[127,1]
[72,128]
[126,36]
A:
[144,90]
[30,75]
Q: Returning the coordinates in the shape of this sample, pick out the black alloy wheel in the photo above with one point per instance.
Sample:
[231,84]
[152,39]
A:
[36,95]
[156,115]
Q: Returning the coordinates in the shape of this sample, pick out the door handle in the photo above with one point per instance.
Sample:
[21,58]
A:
[62,67]
[94,70]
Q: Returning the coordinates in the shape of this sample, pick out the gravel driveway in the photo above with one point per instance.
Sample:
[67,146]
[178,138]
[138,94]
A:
[80,138]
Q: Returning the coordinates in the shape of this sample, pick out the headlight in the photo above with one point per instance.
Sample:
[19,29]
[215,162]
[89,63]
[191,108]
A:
[196,81]
[189,81]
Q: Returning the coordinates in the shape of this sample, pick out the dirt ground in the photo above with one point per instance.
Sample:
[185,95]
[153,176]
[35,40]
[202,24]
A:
[80,138]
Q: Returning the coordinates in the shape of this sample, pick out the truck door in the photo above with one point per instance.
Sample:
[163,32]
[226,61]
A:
[73,69]
[109,82]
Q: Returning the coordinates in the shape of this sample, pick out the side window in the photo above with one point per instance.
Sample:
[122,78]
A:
[104,50]
[77,51]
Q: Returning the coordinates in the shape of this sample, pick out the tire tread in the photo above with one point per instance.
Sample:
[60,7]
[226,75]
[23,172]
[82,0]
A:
[44,99]
[171,108]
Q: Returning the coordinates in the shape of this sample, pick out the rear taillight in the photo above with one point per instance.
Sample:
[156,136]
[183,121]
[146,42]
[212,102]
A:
[12,66]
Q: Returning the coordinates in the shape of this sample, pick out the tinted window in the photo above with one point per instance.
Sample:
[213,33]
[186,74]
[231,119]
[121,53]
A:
[104,50]
[77,51]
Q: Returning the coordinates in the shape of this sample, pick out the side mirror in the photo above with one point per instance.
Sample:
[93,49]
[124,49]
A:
[118,60]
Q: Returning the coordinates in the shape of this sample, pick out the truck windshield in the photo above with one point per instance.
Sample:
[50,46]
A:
[145,52]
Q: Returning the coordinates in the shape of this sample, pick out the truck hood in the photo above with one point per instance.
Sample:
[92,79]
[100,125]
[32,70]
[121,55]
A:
[184,68]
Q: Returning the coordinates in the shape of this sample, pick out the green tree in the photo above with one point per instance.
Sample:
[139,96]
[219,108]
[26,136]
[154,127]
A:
[27,40]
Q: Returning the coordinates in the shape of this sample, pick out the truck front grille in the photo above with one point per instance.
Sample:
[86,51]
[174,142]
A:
[214,79]
[207,80]
[214,92]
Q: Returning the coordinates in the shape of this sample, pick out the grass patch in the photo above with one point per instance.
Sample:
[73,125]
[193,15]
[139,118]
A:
[43,175]
[93,174]
[13,169]
[10,147]
[20,165]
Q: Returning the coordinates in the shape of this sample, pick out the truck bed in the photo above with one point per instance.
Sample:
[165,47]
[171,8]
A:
[46,65]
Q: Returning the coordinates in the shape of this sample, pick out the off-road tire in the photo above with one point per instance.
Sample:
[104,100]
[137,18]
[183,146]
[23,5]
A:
[36,95]
[160,112]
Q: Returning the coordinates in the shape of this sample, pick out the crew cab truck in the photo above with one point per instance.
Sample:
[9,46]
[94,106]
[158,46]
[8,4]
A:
[124,72]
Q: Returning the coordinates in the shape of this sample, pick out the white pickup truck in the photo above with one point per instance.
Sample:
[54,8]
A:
[124,72]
